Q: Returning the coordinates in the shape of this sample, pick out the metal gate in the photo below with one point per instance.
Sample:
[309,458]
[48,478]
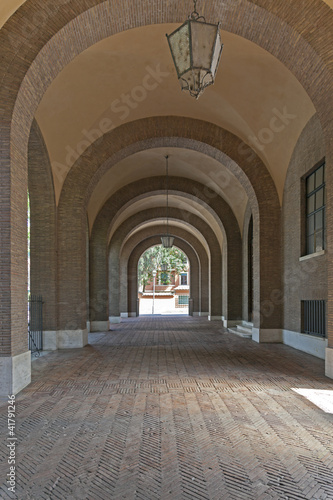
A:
[35,323]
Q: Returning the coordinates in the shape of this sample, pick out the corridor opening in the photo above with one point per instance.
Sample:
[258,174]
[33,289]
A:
[163,282]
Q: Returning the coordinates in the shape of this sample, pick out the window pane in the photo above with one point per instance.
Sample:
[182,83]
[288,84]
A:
[319,240]
[310,244]
[164,278]
[319,198]
[311,204]
[310,183]
[183,279]
[319,176]
[319,220]
[311,221]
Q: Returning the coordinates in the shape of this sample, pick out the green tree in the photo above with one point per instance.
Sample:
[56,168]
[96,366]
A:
[153,258]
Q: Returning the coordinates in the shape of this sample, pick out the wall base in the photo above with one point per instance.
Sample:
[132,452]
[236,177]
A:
[329,362]
[132,315]
[230,323]
[214,318]
[99,326]
[306,343]
[124,315]
[114,319]
[50,342]
[72,339]
[267,335]
[15,374]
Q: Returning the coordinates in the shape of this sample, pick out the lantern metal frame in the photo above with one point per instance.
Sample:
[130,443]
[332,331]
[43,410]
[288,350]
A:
[197,90]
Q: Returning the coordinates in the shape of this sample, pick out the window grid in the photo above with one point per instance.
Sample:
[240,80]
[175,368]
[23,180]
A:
[183,300]
[315,210]
[183,279]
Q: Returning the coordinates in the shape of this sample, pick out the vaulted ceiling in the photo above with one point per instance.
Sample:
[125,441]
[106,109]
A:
[130,76]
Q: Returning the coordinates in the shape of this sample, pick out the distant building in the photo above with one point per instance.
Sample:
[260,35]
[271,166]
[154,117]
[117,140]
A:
[171,287]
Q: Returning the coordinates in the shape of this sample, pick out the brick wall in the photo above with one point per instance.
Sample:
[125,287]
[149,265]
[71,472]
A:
[245,253]
[307,279]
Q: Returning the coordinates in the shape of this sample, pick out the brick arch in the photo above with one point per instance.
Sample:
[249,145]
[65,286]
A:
[134,222]
[262,193]
[250,171]
[21,98]
[189,239]
[196,135]
[181,186]
[50,53]
[99,314]
[139,243]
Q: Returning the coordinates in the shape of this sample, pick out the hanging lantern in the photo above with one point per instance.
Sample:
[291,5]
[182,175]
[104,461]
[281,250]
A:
[196,49]
[167,240]
[164,267]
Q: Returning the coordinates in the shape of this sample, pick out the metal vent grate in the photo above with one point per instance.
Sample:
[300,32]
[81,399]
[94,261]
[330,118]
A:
[314,317]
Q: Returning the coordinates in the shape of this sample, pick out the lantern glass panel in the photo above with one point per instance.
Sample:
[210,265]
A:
[179,42]
[203,38]
[217,53]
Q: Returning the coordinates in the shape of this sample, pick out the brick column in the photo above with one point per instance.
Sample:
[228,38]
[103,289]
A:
[15,359]
[42,234]
[72,264]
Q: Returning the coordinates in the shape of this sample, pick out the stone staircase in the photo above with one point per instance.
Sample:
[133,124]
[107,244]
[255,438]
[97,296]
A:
[243,330]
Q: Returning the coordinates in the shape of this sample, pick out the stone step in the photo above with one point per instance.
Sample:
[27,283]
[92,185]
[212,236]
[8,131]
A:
[248,324]
[244,330]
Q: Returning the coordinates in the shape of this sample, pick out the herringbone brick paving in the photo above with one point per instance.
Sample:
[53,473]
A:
[172,408]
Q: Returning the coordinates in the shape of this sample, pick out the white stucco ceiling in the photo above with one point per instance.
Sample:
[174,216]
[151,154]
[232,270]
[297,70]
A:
[182,163]
[114,80]
[251,91]
[173,223]
[157,201]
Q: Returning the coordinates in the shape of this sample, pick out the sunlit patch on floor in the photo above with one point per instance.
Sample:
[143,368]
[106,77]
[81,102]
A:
[322,399]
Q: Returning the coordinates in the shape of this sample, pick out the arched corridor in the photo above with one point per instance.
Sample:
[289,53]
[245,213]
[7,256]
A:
[92,108]
[114,156]
[175,408]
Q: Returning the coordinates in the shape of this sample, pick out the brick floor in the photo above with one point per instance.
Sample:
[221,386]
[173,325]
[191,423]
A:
[172,408]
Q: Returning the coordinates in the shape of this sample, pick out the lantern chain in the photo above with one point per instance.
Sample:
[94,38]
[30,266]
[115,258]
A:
[195,14]
[167,193]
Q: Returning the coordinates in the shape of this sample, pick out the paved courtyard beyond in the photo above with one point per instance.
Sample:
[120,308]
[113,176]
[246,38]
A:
[173,408]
